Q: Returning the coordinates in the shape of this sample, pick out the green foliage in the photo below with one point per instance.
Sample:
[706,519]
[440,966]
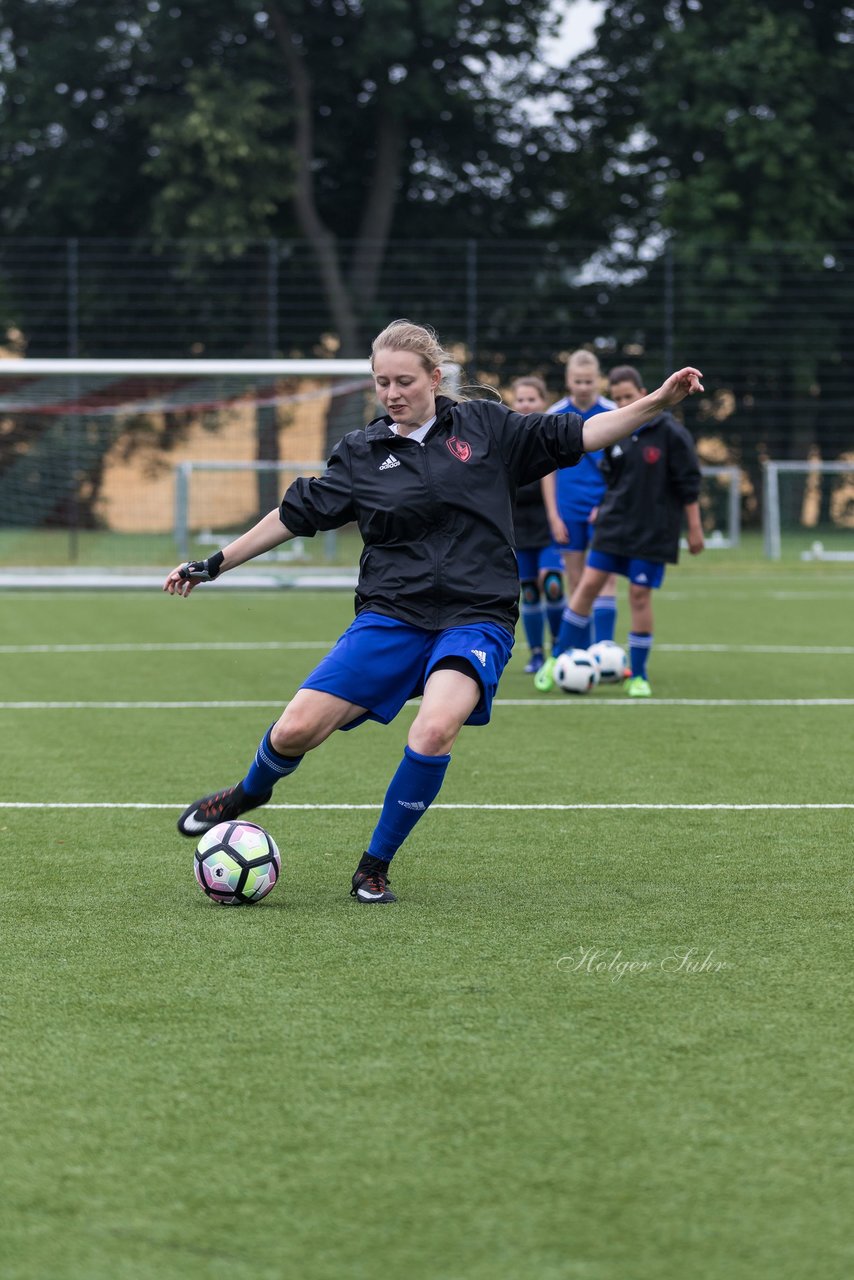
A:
[726,121]
[353,125]
[220,168]
[176,120]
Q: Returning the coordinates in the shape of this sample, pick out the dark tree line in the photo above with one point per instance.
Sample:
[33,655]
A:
[342,122]
[719,134]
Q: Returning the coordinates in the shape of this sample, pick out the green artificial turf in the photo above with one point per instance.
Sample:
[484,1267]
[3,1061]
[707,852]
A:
[587,1044]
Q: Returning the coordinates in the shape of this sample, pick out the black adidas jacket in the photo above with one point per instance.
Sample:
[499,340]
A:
[436,518]
[652,475]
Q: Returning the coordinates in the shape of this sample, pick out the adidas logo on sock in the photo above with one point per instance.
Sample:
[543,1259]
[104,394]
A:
[389,463]
[412,804]
[480,655]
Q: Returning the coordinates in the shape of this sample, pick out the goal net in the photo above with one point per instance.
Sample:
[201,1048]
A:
[93,452]
[808,509]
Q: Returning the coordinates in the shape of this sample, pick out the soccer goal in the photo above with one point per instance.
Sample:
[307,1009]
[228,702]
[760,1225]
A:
[720,506]
[808,509]
[96,456]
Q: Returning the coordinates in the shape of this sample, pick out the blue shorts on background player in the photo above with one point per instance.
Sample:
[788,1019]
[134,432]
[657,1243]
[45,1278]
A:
[540,563]
[653,478]
[429,484]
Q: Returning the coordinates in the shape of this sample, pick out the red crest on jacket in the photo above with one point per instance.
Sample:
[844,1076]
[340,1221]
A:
[651,453]
[459,448]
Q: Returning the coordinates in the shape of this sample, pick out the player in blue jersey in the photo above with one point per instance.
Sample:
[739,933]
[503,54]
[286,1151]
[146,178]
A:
[430,484]
[540,564]
[572,497]
[653,479]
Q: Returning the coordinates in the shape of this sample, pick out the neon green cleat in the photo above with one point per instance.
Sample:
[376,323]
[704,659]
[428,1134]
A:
[544,680]
[638,687]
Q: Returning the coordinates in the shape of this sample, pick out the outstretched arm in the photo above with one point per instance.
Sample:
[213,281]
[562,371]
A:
[269,532]
[616,424]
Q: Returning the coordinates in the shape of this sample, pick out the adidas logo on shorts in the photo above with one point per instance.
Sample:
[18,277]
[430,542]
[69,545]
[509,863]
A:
[480,655]
[389,463]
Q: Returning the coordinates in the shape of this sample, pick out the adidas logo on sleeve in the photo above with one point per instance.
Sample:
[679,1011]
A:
[480,655]
[390,462]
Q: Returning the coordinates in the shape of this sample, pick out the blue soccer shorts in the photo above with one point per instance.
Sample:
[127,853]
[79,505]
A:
[380,663]
[533,561]
[644,573]
[580,533]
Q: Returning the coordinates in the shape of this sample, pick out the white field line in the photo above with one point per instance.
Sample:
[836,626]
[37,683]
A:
[176,807]
[201,646]
[268,646]
[844,650]
[595,701]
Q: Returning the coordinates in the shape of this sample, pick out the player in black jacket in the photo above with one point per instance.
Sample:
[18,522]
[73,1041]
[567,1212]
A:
[653,481]
[431,485]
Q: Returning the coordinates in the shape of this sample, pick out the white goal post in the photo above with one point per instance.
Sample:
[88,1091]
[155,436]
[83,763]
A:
[24,368]
[773,505]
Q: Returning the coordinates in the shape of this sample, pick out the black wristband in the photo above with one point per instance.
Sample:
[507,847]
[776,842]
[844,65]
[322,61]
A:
[214,564]
[202,570]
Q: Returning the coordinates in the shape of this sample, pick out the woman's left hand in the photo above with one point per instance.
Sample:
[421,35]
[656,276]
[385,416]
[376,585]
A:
[679,385]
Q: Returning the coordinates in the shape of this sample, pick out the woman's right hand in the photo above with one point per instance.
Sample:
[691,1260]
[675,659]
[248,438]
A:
[185,577]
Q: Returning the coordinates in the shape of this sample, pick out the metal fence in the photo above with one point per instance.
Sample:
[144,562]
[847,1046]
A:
[771,326]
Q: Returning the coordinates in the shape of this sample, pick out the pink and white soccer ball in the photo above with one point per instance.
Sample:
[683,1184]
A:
[237,863]
[576,671]
[611,660]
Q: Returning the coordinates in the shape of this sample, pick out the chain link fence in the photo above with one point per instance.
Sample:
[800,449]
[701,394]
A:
[771,326]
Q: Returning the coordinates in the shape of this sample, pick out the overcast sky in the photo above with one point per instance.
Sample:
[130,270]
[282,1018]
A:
[576,35]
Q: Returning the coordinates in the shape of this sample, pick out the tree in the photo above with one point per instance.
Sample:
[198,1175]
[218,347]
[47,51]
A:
[338,121]
[223,119]
[732,121]
[727,127]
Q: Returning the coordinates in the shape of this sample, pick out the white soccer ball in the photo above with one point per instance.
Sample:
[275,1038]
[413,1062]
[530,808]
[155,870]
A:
[610,659]
[576,671]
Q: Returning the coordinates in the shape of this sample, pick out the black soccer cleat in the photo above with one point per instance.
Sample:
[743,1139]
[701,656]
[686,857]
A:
[222,806]
[370,882]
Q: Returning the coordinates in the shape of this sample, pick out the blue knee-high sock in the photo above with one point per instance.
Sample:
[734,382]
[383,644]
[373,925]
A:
[533,621]
[574,632]
[604,618]
[640,643]
[267,768]
[410,793]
